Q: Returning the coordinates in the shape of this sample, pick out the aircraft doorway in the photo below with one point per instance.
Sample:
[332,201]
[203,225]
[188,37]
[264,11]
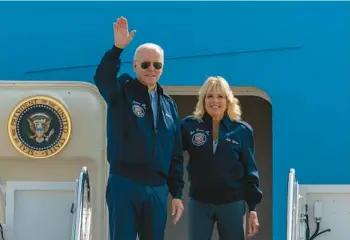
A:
[257,111]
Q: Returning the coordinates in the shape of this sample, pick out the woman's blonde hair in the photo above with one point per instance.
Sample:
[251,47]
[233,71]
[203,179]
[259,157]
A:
[220,85]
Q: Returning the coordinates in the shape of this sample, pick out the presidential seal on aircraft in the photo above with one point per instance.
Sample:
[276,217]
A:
[39,127]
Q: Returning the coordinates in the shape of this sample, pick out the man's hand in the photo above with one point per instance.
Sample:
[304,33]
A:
[253,223]
[122,37]
[177,209]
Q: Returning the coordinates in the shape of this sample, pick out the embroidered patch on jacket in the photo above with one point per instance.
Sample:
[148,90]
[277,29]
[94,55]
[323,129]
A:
[138,110]
[199,139]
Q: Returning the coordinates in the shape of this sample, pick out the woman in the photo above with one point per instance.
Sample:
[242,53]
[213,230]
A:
[222,170]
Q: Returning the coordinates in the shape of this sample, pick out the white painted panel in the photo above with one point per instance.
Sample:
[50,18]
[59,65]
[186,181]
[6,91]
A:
[335,212]
[43,215]
[39,210]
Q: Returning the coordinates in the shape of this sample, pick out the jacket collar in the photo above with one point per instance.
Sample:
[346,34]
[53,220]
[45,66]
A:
[144,88]
[226,121]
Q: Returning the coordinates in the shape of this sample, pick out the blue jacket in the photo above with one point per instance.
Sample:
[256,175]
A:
[229,174]
[136,148]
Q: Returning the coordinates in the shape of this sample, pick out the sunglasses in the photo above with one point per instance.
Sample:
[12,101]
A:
[156,65]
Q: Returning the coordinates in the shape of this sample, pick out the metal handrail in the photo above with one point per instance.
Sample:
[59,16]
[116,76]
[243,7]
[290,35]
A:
[293,207]
[291,180]
[82,207]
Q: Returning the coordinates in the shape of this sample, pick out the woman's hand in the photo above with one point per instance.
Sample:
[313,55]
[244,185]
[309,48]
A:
[253,223]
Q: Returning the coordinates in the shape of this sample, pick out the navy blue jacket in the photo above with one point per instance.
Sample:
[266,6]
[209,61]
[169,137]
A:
[136,149]
[229,174]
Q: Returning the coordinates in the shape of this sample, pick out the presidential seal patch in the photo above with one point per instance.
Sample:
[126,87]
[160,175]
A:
[199,139]
[138,110]
[39,127]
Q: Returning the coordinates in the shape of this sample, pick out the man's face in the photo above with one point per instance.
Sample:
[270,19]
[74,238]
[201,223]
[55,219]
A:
[148,66]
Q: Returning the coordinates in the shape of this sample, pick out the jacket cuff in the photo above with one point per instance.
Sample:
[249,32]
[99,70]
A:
[177,194]
[116,51]
[252,207]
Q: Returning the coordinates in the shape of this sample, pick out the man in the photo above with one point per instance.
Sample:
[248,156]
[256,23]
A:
[144,142]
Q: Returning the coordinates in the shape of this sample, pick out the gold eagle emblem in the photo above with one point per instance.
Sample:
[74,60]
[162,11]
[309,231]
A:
[39,125]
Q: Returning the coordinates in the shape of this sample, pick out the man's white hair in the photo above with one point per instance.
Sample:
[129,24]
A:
[148,46]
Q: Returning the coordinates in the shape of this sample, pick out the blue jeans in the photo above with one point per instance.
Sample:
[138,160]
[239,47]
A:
[136,209]
[228,217]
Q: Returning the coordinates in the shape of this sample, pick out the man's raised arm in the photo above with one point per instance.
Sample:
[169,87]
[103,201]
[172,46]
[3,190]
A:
[106,73]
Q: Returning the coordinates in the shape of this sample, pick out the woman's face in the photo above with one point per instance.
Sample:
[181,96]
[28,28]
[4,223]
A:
[215,104]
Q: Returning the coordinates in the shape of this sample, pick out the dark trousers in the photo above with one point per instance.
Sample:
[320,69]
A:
[135,209]
[228,217]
